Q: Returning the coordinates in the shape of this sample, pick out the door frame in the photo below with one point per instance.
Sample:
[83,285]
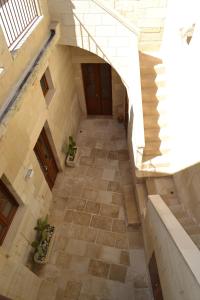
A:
[154,277]
[98,84]
[52,146]
[51,151]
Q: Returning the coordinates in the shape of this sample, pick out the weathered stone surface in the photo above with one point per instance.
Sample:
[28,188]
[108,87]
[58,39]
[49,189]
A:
[92,207]
[118,273]
[124,258]
[72,290]
[101,222]
[118,226]
[98,268]
[106,238]
[109,211]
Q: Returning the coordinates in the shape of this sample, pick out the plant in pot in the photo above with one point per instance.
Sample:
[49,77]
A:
[71,151]
[44,240]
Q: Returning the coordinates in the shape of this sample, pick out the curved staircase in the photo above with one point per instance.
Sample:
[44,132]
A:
[156,153]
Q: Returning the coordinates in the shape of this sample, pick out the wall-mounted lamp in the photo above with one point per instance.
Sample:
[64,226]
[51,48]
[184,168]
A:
[29,173]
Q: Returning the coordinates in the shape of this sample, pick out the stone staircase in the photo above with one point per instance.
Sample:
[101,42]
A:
[157,140]
[165,187]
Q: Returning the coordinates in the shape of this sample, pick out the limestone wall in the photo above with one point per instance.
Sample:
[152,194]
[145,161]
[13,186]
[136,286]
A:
[182,66]
[147,15]
[80,56]
[177,256]
[187,184]
[14,63]
[102,31]
[19,132]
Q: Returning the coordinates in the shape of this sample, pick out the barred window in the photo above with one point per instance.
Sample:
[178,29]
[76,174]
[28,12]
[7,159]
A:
[16,18]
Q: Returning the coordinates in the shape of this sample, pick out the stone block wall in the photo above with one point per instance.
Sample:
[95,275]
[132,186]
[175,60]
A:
[22,130]
[19,132]
[187,184]
[147,15]
[15,62]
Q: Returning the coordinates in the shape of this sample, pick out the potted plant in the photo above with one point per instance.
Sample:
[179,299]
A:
[71,152]
[44,241]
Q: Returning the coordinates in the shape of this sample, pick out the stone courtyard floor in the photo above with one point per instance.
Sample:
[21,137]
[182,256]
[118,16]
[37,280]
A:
[95,256]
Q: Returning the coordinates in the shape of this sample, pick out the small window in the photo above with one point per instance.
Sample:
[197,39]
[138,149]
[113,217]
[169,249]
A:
[47,86]
[44,85]
[8,208]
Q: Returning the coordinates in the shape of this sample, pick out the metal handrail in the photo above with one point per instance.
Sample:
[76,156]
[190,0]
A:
[117,16]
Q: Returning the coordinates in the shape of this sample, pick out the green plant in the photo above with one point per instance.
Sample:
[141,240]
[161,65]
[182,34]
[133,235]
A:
[42,234]
[71,148]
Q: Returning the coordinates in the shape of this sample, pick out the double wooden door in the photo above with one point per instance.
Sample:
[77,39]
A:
[46,159]
[98,88]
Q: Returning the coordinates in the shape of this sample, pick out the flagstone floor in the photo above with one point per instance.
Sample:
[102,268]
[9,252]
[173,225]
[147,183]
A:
[95,256]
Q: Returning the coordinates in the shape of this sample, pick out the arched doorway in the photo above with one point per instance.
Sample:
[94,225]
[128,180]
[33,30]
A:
[98,88]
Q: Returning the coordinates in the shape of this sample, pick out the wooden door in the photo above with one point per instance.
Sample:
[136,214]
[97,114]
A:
[46,159]
[4,298]
[155,280]
[98,88]
[8,208]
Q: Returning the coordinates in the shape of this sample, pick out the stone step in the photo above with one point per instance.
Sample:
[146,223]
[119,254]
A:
[47,290]
[131,207]
[170,200]
[155,108]
[178,211]
[186,221]
[150,108]
[151,186]
[150,94]
[152,134]
[152,165]
[162,186]
[155,148]
[196,239]
[152,173]
[146,47]
[142,198]
[192,229]
[147,70]
[156,134]
[149,81]
[153,121]
[160,68]
[148,59]
[151,69]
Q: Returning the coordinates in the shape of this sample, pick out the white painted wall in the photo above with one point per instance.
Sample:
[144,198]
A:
[182,67]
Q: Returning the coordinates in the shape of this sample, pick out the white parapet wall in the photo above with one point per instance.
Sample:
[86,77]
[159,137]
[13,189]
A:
[97,28]
[178,258]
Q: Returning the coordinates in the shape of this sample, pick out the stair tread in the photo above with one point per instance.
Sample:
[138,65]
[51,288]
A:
[131,211]
[186,221]
[192,229]
[142,197]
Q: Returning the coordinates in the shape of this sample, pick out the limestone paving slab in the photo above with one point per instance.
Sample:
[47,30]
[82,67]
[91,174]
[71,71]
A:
[95,255]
